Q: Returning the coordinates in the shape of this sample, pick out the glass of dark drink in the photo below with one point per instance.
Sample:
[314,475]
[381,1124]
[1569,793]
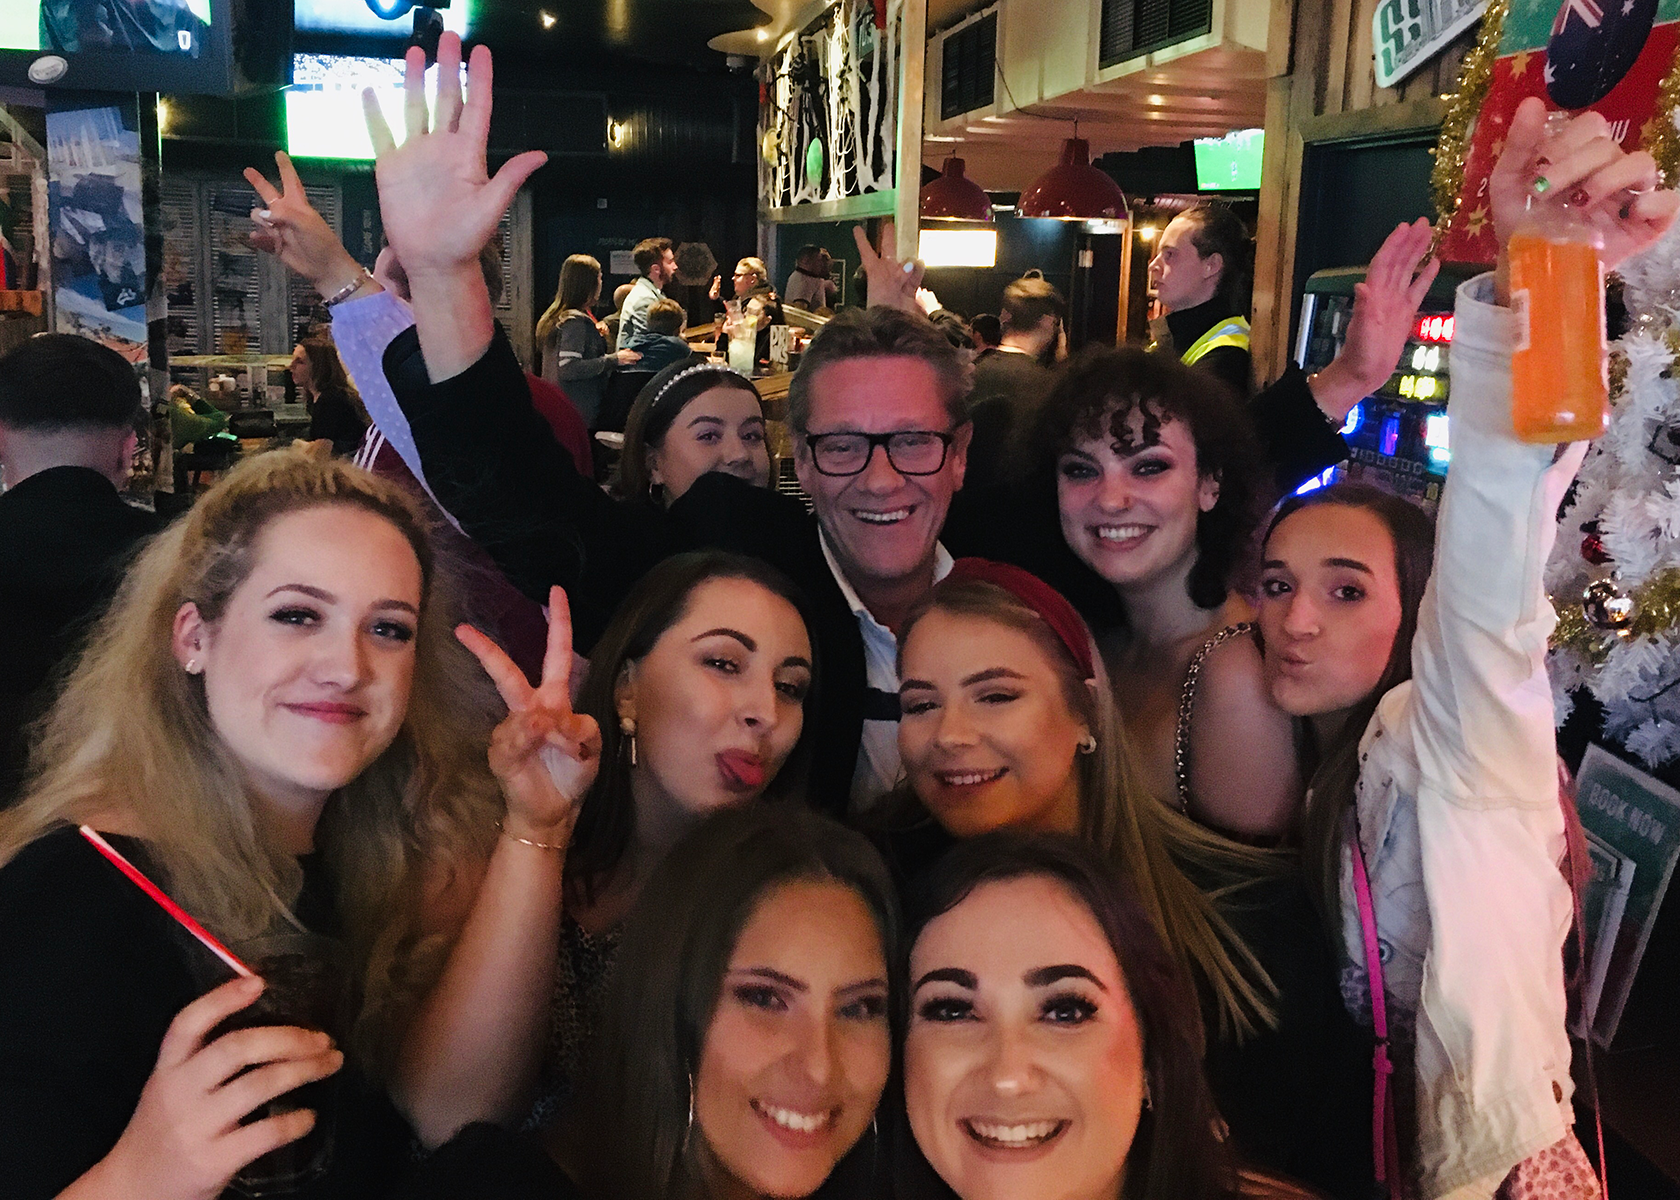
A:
[306,987]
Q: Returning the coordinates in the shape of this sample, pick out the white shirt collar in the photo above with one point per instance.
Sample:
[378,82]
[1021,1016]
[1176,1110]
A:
[942,564]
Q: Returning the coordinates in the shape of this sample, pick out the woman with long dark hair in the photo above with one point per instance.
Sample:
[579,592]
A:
[747,1036]
[1435,823]
[335,411]
[1052,1044]
[571,342]
[695,702]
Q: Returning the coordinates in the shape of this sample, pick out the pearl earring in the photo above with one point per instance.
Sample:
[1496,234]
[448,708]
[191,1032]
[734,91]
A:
[192,666]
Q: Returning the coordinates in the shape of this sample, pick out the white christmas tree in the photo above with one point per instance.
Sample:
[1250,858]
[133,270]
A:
[1614,575]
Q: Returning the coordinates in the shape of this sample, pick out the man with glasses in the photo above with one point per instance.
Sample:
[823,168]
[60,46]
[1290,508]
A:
[877,410]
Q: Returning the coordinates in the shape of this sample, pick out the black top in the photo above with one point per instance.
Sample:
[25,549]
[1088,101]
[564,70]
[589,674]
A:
[1233,365]
[94,972]
[1008,389]
[65,537]
[333,418]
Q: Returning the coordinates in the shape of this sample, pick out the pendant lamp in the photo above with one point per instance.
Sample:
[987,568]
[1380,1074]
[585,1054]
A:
[1073,189]
[954,195]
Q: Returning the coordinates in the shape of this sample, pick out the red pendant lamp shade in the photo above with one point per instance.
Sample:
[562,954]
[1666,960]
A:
[1073,189]
[955,195]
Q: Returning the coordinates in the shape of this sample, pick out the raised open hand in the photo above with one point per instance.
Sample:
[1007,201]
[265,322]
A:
[288,227]
[1582,166]
[892,284]
[544,755]
[439,203]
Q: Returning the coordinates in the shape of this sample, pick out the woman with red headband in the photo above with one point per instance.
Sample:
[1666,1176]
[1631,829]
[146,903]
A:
[1009,722]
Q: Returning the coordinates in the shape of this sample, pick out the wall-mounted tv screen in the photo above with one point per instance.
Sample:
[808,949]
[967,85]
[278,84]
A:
[1230,163]
[355,17]
[324,104]
[175,46]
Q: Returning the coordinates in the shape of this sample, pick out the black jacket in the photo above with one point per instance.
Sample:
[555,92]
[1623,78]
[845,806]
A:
[65,537]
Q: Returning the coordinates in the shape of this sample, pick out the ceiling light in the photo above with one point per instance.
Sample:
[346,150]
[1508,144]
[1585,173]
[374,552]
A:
[1148,232]
[1157,99]
[953,195]
[548,19]
[617,133]
[1074,190]
[763,34]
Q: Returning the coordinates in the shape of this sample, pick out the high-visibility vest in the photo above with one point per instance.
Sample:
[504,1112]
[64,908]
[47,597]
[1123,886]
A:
[1233,332]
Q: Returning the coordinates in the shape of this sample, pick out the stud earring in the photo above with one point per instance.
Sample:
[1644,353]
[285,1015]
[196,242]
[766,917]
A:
[1088,744]
[192,666]
[627,726]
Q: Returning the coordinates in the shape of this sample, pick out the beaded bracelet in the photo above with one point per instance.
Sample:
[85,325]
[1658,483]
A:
[527,841]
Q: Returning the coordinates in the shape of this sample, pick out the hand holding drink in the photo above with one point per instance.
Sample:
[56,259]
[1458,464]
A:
[1568,204]
[186,1137]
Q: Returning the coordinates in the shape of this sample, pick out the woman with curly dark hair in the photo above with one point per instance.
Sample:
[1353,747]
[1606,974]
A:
[1156,477]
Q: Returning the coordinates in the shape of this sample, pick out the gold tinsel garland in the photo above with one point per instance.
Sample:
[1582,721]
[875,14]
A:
[1660,137]
[1446,181]
[1656,610]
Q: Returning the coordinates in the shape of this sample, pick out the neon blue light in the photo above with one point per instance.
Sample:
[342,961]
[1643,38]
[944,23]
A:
[1390,440]
[1355,418]
[1323,479]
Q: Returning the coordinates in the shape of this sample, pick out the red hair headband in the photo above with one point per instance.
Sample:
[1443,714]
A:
[1050,605]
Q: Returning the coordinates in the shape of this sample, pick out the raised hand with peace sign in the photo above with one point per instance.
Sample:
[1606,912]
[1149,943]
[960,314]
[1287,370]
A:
[289,227]
[544,755]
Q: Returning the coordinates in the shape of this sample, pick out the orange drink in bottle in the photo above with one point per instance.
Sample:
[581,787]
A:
[1559,390]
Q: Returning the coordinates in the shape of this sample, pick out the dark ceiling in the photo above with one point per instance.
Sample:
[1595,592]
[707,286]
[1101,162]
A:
[597,33]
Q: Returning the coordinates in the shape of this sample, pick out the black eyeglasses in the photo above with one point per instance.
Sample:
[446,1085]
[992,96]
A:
[910,451]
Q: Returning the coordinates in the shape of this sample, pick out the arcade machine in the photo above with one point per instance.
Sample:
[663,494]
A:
[1397,437]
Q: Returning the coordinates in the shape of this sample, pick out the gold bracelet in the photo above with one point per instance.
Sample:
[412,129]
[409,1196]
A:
[527,841]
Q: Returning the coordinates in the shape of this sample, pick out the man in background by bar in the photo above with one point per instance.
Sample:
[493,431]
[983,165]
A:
[68,408]
[658,264]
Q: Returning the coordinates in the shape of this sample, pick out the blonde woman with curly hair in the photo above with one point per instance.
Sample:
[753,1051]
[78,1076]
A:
[276,722]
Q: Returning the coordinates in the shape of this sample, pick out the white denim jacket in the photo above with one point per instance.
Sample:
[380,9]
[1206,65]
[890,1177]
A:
[1458,801]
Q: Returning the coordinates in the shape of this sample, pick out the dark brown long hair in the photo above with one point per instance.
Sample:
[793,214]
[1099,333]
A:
[631,1139]
[1095,397]
[1335,774]
[608,816]
[1176,1154]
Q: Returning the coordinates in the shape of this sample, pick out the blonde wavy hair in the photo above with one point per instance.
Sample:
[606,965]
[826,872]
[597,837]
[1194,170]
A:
[132,734]
[1150,845]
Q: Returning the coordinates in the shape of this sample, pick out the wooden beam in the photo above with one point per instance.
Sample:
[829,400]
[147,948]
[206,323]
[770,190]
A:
[912,71]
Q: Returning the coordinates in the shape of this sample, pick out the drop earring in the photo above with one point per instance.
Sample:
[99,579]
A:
[627,726]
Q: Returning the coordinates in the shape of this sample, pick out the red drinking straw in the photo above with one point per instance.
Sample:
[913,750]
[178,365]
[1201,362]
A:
[169,906]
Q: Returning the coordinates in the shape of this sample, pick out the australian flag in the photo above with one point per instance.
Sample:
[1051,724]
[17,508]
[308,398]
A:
[1594,44]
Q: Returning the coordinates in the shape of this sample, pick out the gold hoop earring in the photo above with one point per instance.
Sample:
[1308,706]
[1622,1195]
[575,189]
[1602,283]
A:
[627,726]
[688,1132]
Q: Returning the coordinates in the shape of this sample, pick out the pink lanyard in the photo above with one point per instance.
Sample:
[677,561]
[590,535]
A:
[1385,1141]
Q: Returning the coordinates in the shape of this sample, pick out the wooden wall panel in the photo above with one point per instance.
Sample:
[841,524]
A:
[1323,85]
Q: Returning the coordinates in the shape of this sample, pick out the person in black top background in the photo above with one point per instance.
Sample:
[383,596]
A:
[335,414]
[68,408]
[1011,379]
